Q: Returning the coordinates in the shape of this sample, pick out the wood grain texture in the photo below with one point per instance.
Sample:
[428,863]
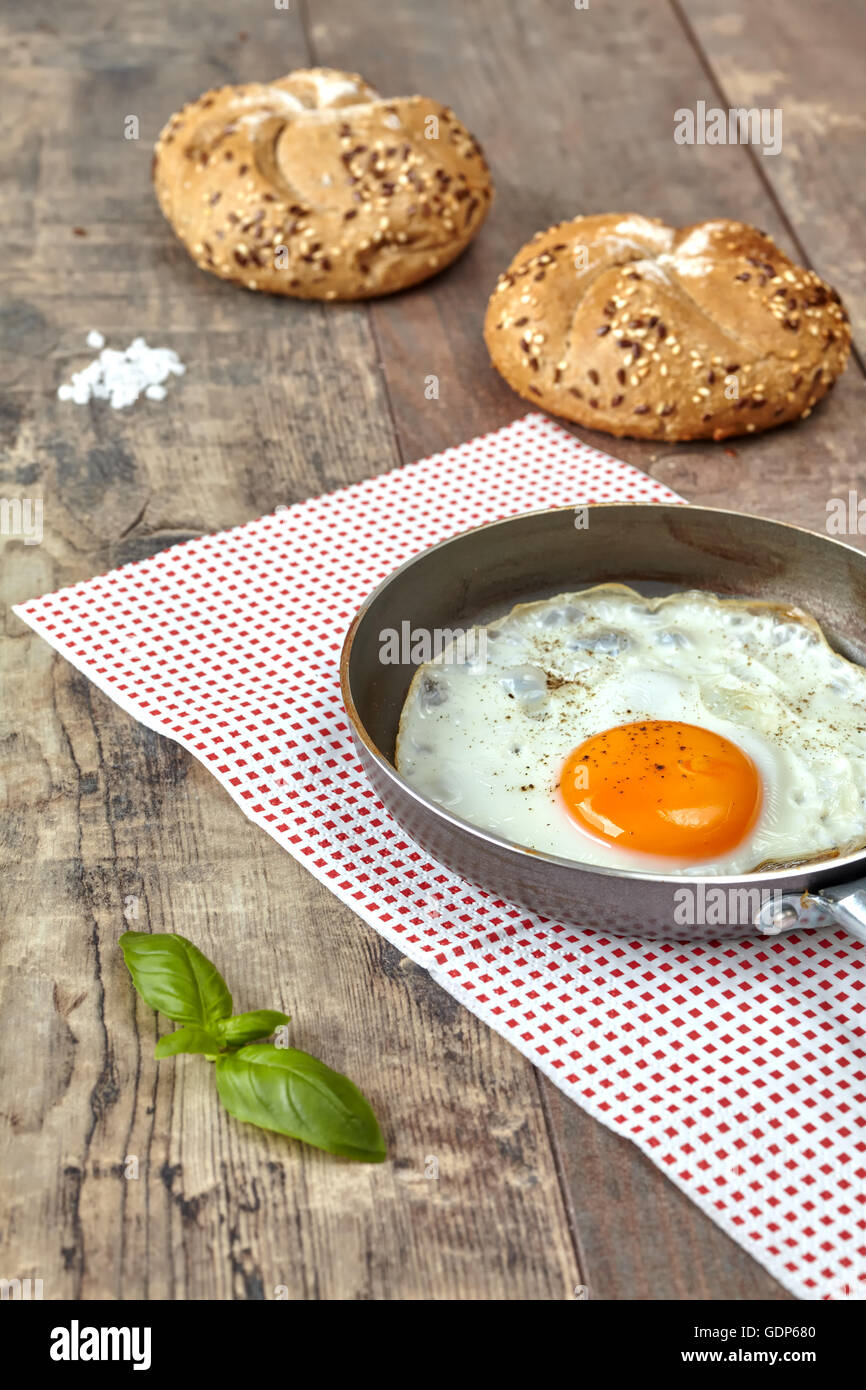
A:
[281,401]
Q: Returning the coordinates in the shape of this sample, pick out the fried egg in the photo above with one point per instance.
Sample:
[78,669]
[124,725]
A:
[679,735]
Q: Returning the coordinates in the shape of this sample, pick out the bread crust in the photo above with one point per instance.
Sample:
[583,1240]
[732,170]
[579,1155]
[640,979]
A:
[316,187]
[626,325]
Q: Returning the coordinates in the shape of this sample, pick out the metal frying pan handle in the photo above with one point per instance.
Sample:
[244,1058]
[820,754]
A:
[843,905]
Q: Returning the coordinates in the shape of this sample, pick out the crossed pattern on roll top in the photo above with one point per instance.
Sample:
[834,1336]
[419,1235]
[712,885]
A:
[314,186]
[624,324]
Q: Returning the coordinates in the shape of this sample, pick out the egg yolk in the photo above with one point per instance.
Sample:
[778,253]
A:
[663,788]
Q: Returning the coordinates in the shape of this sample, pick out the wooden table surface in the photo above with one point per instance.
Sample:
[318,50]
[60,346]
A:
[283,400]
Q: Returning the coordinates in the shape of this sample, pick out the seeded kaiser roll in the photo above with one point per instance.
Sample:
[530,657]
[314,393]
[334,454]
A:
[315,186]
[623,324]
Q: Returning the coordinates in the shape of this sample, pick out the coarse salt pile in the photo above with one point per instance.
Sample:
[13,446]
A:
[121,377]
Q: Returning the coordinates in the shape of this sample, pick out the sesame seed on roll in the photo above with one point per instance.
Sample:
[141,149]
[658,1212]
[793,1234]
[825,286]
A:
[315,186]
[626,325]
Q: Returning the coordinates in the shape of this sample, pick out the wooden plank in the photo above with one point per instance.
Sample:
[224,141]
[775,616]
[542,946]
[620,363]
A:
[281,400]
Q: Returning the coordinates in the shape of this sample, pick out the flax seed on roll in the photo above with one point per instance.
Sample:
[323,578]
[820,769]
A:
[315,186]
[623,324]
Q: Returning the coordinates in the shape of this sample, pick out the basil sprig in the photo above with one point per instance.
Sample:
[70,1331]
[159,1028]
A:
[276,1088]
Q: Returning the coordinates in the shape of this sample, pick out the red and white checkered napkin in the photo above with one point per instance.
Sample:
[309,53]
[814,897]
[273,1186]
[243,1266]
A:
[737,1069]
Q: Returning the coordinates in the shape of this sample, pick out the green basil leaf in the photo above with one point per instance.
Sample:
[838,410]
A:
[293,1093]
[173,976]
[247,1028]
[188,1039]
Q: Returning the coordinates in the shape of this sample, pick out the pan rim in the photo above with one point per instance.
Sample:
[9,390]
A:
[782,879]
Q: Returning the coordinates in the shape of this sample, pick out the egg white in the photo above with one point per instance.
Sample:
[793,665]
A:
[487,737]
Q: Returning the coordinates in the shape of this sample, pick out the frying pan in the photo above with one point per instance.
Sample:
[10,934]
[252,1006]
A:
[481,574]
